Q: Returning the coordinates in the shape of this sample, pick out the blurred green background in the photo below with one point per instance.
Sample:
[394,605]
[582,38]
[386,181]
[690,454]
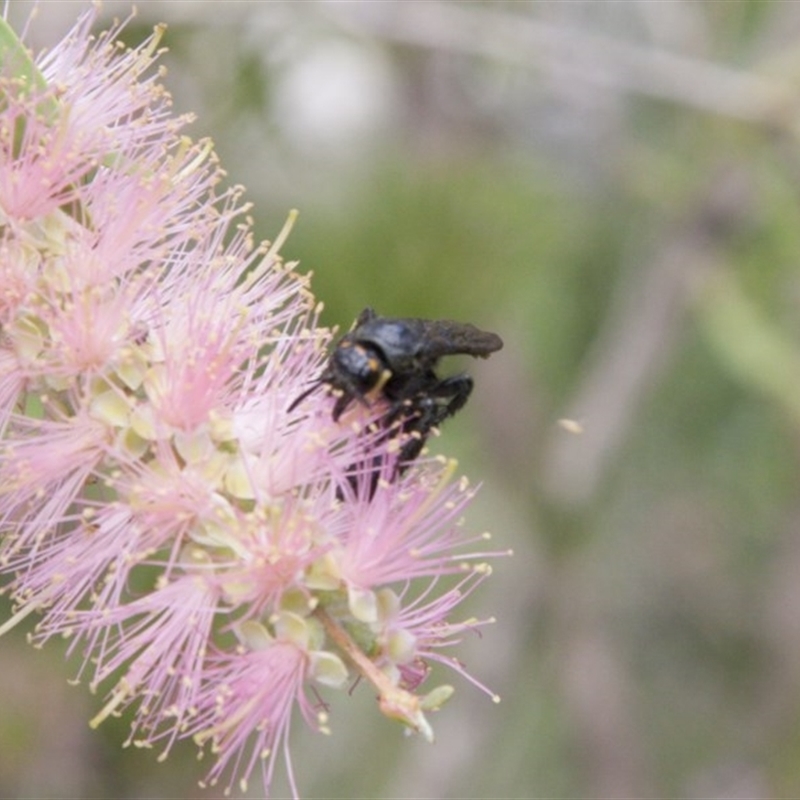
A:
[614,187]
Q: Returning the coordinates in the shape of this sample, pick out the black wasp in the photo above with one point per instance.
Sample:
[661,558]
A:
[395,359]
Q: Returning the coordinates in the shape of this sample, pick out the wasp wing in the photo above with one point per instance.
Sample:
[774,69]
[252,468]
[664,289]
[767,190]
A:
[444,337]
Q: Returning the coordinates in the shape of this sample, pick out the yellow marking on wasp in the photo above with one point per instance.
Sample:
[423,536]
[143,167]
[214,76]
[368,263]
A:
[374,393]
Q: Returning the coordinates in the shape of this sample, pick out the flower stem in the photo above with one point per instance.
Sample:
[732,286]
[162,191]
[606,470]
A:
[394,702]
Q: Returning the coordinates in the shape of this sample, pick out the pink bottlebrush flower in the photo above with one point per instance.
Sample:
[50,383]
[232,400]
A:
[161,641]
[246,704]
[44,466]
[75,111]
[220,554]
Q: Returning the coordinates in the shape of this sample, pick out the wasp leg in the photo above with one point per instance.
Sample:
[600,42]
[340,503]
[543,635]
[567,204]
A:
[411,421]
[458,388]
[431,407]
[362,478]
[342,401]
[415,442]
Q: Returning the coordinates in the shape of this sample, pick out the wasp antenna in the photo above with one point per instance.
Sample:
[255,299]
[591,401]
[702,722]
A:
[367,315]
[296,402]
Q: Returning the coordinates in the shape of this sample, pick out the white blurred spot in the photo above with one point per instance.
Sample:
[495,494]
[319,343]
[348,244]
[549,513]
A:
[334,96]
[571,425]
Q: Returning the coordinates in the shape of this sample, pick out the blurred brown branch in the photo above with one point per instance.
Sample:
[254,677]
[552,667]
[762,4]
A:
[572,53]
[642,330]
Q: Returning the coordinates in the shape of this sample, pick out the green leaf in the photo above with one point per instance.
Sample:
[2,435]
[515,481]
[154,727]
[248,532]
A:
[752,347]
[15,58]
